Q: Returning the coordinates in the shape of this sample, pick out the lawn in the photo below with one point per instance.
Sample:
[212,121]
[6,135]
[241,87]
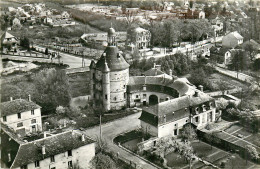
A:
[233,129]
[202,149]
[132,144]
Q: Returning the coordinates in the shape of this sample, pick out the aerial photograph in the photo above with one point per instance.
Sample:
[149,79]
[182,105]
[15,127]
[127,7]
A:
[130,84]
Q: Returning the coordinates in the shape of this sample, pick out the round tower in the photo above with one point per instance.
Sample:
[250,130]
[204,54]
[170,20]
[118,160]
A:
[106,87]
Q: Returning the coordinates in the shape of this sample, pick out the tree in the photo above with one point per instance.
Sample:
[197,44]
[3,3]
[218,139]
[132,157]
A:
[25,42]
[249,47]
[212,138]
[46,51]
[102,161]
[256,64]
[188,133]
[251,152]
[239,61]
[52,89]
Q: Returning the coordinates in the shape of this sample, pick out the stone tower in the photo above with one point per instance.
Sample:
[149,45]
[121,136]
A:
[109,77]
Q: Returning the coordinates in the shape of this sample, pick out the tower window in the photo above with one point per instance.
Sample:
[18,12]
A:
[19,115]
[4,118]
[32,112]
[106,96]
[70,153]
[124,95]
[37,163]
[52,159]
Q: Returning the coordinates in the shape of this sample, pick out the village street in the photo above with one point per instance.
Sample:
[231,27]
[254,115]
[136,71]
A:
[112,129]
[72,61]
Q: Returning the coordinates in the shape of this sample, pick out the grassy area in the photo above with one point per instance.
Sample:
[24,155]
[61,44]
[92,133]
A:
[254,139]
[202,149]
[125,137]
[175,160]
[79,84]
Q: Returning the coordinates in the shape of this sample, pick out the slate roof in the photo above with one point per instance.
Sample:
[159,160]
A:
[182,85]
[17,106]
[235,35]
[56,144]
[114,60]
[6,35]
[177,105]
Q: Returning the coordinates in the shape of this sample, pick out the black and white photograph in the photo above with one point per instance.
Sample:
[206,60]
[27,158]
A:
[130,84]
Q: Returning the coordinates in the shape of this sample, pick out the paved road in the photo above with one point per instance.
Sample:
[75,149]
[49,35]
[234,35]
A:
[112,129]
[72,61]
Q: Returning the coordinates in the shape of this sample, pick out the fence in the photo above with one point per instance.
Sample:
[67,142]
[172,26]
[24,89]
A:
[219,93]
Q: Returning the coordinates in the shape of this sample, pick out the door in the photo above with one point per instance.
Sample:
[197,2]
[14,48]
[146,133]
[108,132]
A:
[33,129]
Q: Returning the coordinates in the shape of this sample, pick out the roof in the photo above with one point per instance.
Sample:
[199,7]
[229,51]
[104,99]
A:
[178,104]
[11,133]
[255,45]
[17,106]
[56,144]
[6,35]
[111,31]
[139,29]
[182,85]
[114,59]
[235,34]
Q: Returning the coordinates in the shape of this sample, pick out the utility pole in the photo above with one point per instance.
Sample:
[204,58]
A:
[100,124]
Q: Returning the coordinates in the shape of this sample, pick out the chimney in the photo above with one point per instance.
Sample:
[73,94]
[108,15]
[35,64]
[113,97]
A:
[43,150]
[196,94]
[154,65]
[29,98]
[11,98]
[44,134]
[82,137]
[200,88]
[170,72]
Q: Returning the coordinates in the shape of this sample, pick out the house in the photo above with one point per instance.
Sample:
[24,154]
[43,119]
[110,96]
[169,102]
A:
[8,41]
[16,22]
[63,150]
[169,117]
[139,37]
[24,116]
[221,54]
[65,15]
[232,40]
[201,15]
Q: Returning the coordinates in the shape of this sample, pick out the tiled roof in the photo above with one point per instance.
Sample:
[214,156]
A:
[56,144]
[114,60]
[17,106]
[235,34]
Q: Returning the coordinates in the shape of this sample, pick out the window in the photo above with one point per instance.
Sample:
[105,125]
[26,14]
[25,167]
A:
[32,112]
[124,95]
[164,118]
[4,118]
[52,159]
[37,163]
[144,95]
[124,86]
[106,96]
[70,164]
[197,119]
[33,121]
[53,168]
[136,96]
[20,124]
[19,115]
[70,153]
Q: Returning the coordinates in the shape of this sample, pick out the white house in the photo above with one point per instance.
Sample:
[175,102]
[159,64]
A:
[24,116]
[65,15]
[232,40]
[63,150]
[139,37]
[169,117]
[201,15]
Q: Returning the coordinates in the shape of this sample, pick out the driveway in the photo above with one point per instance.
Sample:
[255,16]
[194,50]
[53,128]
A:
[112,129]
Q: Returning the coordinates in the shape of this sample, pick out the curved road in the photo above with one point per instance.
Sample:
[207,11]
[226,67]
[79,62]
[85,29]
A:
[112,129]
